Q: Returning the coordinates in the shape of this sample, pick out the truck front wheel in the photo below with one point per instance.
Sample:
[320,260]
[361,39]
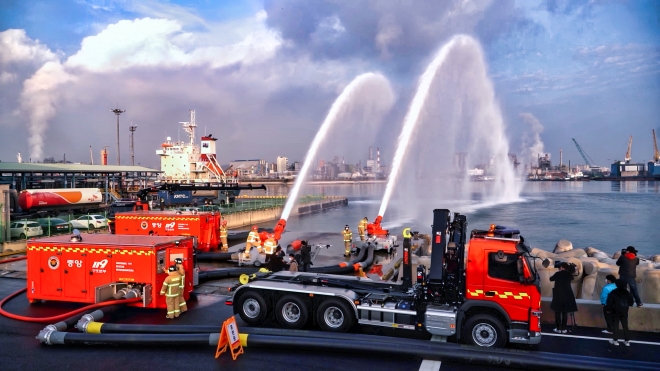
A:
[252,308]
[485,331]
[334,315]
[291,312]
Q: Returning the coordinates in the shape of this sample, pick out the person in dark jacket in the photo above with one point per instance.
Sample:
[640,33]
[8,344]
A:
[618,302]
[305,256]
[563,300]
[276,264]
[628,263]
[609,279]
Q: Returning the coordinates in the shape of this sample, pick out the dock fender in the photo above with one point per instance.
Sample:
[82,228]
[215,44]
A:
[460,316]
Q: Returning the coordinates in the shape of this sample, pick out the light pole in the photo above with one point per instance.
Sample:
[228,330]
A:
[118,112]
[132,128]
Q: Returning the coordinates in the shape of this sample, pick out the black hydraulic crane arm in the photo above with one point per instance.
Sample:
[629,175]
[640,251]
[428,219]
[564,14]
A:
[173,187]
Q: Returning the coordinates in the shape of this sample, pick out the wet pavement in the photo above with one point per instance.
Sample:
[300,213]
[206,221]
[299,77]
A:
[21,351]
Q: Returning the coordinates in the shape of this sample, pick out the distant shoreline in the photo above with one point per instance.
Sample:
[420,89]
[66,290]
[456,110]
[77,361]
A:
[313,182]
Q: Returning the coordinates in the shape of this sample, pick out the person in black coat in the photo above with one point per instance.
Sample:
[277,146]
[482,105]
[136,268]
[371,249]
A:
[628,263]
[563,300]
[276,264]
[618,302]
[305,256]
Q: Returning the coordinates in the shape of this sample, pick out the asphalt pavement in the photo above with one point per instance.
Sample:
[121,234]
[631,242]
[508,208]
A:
[19,350]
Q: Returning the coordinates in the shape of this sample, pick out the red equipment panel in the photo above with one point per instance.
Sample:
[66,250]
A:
[61,268]
[74,278]
[203,225]
[50,274]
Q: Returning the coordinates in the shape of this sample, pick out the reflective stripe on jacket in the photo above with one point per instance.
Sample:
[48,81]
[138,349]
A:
[348,236]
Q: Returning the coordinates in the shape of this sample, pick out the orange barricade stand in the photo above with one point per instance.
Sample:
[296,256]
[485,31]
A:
[229,339]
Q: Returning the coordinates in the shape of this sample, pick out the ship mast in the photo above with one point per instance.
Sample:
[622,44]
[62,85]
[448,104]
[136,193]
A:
[190,126]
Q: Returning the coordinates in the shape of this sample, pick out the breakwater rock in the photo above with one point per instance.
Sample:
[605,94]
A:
[593,266]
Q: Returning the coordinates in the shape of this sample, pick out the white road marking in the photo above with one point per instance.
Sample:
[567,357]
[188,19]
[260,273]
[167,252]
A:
[597,338]
[429,365]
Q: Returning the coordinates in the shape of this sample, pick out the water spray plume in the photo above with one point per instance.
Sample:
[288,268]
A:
[362,89]
[470,121]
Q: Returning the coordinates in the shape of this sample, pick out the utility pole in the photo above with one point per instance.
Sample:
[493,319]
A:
[132,128]
[118,112]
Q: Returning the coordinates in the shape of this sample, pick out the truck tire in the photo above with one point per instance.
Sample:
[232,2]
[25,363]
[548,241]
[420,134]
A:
[252,308]
[484,330]
[291,312]
[335,315]
[257,263]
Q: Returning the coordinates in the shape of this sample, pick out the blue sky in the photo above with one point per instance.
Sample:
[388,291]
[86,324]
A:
[588,70]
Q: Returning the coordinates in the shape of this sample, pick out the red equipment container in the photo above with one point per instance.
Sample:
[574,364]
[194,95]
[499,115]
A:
[203,225]
[94,269]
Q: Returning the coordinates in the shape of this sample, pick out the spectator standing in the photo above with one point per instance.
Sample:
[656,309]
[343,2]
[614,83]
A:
[609,279]
[628,262]
[293,264]
[306,256]
[618,302]
[563,300]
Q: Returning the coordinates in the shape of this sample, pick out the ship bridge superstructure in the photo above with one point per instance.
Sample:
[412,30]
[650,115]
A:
[186,162]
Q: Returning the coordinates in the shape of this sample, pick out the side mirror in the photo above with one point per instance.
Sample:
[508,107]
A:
[545,263]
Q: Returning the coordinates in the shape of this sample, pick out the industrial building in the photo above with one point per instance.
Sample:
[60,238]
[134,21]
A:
[115,181]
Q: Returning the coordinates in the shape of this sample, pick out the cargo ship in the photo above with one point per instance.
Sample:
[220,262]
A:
[186,162]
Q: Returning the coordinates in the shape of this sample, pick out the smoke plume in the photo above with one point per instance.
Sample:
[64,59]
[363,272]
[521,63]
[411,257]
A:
[531,140]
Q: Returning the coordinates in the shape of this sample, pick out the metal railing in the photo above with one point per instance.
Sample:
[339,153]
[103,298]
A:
[49,226]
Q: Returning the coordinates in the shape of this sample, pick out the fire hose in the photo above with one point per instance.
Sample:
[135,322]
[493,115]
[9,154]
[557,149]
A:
[356,343]
[61,317]
[11,260]
[350,267]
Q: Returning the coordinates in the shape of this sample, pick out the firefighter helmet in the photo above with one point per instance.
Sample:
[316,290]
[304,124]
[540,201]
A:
[224,223]
[346,226]
[254,228]
[178,261]
[172,268]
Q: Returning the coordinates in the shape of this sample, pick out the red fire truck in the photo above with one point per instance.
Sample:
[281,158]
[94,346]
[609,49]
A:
[202,225]
[95,267]
[486,295]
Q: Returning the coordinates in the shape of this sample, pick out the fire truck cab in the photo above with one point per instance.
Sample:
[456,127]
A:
[483,291]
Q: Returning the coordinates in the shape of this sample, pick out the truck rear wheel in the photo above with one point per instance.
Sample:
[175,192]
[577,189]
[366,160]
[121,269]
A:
[335,315]
[485,331]
[291,312]
[252,308]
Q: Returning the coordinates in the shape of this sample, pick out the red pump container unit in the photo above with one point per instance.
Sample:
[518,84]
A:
[92,268]
[202,225]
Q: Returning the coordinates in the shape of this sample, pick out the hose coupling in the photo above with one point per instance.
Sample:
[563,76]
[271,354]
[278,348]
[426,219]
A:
[84,321]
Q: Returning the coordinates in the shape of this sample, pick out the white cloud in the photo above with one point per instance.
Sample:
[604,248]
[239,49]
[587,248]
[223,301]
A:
[16,47]
[161,42]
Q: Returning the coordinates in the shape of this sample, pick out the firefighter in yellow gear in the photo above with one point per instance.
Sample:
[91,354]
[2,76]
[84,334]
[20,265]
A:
[171,288]
[362,227]
[223,236]
[253,239]
[269,246]
[348,239]
[182,272]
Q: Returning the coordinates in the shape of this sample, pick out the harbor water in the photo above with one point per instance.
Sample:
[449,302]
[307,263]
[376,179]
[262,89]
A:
[608,215]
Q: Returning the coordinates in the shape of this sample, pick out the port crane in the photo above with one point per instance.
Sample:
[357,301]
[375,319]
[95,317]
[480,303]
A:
[584,155]
[656,153]
[628,153]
